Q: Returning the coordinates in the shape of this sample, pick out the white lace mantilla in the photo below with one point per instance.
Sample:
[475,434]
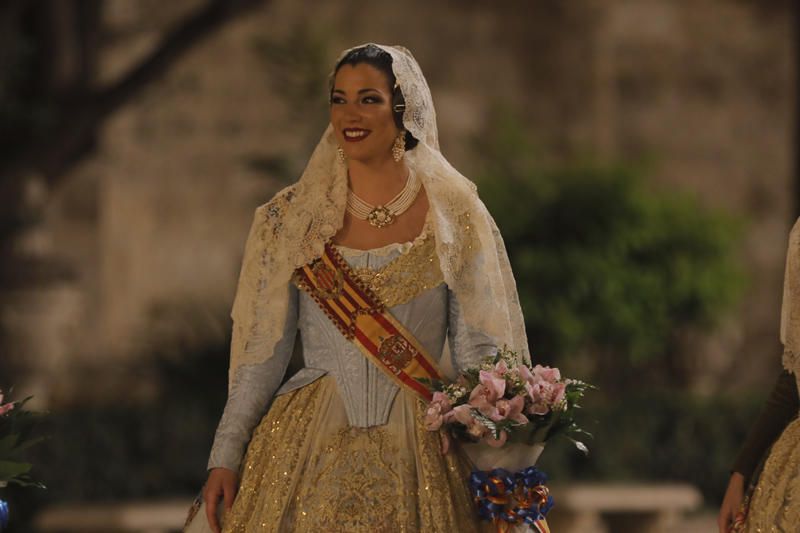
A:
[292,228]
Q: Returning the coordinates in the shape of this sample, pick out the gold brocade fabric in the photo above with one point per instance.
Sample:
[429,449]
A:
[405,277]
[775,503]
[306,469]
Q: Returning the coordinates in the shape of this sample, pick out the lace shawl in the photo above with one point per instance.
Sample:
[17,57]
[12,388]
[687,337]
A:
[291,229]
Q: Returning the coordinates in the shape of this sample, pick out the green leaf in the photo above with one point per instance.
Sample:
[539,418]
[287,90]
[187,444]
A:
[28,443]
[11,469]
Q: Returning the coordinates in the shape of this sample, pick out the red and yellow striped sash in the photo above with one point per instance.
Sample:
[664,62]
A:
[363,319]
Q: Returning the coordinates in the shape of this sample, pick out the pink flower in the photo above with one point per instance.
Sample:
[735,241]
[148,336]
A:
[539,394]
[443,400]
[544,388]
[460,413]
[525,373]
[544,396]
[511,409]
[501,368]
[439,406]
[485,395]
[5,408]
[494,383]
[551,375]
[480,400]
[558,392]
[463,414]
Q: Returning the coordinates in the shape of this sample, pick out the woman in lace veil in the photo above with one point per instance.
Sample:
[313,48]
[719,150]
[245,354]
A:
[341,445]
[769,461]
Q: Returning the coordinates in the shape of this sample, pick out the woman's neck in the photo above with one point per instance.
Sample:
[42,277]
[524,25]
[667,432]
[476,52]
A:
[377,181]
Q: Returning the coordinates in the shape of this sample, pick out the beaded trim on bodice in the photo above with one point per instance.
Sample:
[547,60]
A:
[408,275]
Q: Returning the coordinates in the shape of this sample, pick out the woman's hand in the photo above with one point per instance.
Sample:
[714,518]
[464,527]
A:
[731,503]
[222,482]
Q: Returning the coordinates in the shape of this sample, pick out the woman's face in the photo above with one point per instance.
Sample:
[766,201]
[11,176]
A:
[361,113]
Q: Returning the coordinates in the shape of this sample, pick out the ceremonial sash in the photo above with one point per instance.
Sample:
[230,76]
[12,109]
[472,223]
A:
[363,319]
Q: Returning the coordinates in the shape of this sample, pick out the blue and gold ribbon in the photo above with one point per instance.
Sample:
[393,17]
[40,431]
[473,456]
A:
[506,498]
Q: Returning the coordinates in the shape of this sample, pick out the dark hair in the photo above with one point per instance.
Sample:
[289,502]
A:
[381,60]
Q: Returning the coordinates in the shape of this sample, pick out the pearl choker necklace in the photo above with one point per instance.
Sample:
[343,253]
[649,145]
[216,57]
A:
[382,215]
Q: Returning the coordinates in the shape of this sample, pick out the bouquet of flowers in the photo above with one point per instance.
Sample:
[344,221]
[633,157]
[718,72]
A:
[504,400]
[501,402]
[16,424]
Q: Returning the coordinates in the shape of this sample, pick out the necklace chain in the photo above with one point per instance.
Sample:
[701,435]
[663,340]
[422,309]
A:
[382,215]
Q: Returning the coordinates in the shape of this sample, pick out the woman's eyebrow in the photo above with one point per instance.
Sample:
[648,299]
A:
[360,91]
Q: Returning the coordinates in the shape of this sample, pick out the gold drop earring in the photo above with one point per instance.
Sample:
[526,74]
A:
[399,146]
[340,153]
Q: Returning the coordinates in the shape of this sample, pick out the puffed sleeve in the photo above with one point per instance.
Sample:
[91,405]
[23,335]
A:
[250,392]
[468,347]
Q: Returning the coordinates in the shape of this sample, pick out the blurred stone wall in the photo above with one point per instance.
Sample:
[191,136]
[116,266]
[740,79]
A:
[157,218]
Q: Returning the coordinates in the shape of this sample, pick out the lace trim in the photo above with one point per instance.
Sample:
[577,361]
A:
[791,361]
[404,278]
[383,251]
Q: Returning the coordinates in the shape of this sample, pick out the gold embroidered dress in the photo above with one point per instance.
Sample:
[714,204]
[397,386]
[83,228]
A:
[774,505]
[342,448]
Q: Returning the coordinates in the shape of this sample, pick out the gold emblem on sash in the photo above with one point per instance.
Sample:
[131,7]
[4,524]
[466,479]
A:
[329,281]
[396,352]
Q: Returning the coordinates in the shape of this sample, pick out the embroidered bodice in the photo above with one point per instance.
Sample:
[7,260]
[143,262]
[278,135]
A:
[407,278]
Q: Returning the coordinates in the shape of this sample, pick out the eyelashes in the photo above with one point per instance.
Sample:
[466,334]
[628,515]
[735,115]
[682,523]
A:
[364,100]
